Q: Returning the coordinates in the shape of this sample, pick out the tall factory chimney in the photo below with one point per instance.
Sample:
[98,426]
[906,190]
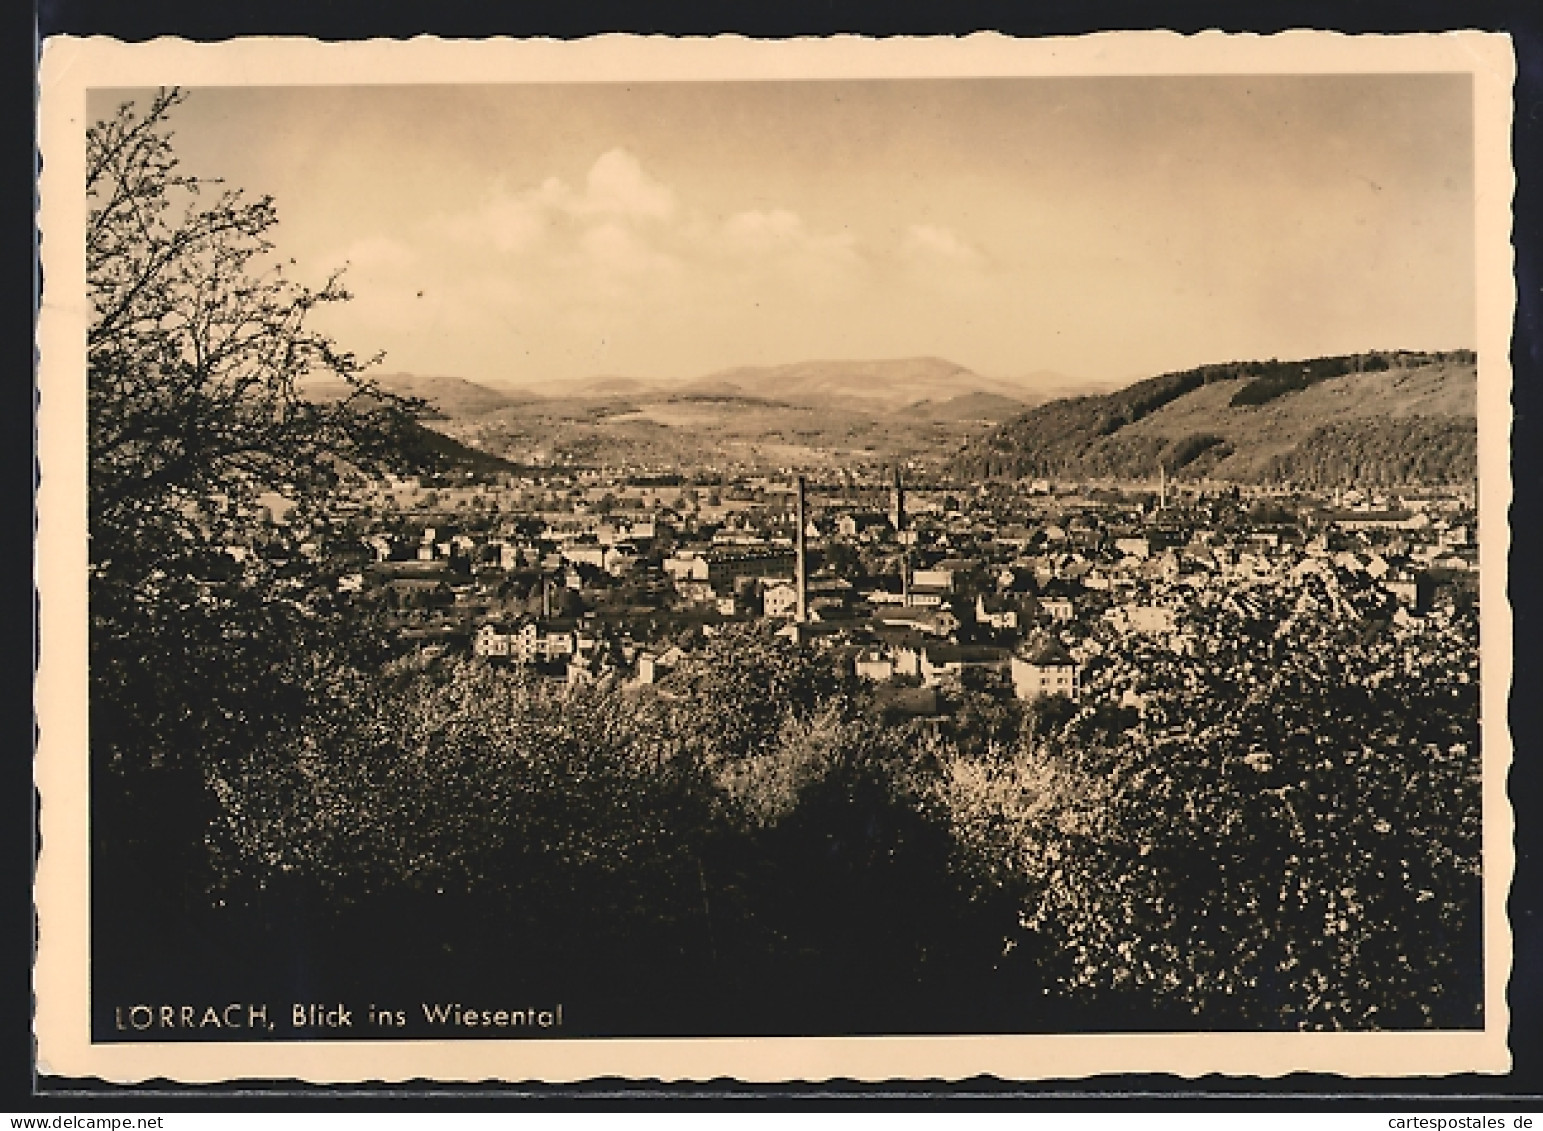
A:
[897,502]
[800,540]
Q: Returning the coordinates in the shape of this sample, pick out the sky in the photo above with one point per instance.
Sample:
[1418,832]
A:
[1102,228]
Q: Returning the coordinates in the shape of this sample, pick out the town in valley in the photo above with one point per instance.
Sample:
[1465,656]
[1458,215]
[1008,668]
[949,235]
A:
[1097,592]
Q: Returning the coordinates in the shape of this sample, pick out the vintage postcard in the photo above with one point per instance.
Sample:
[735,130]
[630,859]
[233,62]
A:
[780,561]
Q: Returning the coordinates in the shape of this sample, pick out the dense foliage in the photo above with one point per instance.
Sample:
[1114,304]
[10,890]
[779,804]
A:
[751,841]
[1186,451]
[1088,437]
[1272,379]
[196,351]
[1289,836]
[1406,449]
[207,632]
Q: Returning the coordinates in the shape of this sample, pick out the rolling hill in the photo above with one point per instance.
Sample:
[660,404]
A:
[716,424]
[812,413]
[432,450]
[885,385]
[991,407]
[1375,417]
[449,397]
[868,386]
[1384,417]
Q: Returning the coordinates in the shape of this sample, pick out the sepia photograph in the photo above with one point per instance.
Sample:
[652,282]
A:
[871,551]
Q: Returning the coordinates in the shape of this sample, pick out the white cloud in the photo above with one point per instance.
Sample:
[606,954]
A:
[617,185]
[509,224]
[757,232]
[615,261]
[512,225]
[622,256]
[775,247]
[778,232]
[927,245]
[516,223]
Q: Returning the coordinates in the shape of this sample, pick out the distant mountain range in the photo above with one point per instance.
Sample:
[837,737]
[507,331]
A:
[883,385]
[921,387]
[814,413]
[1384,417]
[886,386]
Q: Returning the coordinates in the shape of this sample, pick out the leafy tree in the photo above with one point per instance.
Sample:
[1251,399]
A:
[1287,836]
[196,351]
[207,632]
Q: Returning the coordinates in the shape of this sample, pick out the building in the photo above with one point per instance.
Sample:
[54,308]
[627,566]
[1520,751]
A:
[725,567]
[1058,608]
[862,525]
[686,567]
[585,555]
[934,622]
[998,612]
[939,580]
[928,588]
[1412,590]
[621,558]
[1378,520]
[525,642]
[654,666]
[1046,670]
[873,665]
[1149,619]
[829,596]
[717,572]
[941,662]
[780,600]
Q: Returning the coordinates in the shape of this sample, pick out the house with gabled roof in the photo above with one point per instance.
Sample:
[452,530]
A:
[1045,669]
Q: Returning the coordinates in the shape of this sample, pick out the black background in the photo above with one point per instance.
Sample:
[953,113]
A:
[139,20]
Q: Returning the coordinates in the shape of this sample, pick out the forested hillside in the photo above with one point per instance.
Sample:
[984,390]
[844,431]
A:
[1381,417]
[1417,449]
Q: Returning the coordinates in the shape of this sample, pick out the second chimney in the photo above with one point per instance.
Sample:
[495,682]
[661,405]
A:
[800,539]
